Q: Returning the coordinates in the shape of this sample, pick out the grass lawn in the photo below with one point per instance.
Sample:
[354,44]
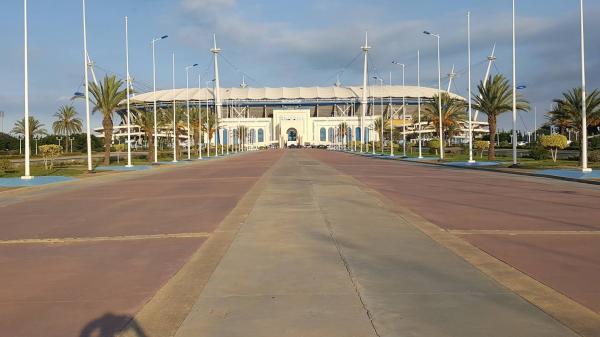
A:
[38,171]
[524,163]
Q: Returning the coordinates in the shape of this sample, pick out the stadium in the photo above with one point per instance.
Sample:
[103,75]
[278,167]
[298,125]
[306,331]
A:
[301,116]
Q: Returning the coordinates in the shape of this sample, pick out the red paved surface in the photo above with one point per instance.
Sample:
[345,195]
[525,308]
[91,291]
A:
[475,200]
[55,290]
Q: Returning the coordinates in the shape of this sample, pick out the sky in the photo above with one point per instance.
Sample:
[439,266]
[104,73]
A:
[292,43]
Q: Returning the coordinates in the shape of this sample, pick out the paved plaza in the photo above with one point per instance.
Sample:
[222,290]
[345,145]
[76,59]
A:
[301,243]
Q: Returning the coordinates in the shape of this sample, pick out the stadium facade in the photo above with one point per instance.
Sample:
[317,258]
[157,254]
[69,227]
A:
[304,115]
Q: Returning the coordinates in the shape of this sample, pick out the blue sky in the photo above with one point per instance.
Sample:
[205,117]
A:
[283,43]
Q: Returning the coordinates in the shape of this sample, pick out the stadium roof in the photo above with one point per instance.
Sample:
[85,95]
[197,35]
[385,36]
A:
[282,94]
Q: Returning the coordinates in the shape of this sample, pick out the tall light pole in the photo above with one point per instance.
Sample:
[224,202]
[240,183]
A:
[364,99]
[128,93]
[27,175]
[419,104]
[469,86]
[439,63]
[514,94]
[175,139]
[535,128]
[86,62]
[403,108]
[381,87]
[199,118]
[217,93]
[391,120]
[208,124]
[584,150]
[154,94]
[187,103]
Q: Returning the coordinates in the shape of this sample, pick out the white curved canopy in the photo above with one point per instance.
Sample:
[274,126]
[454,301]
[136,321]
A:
[276,94]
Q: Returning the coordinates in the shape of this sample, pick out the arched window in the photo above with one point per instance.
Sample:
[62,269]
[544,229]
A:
[357,135]
[323,135]
[349,135]
[261,135]
[367,134]
[225,137]
[252,136]
[331,134]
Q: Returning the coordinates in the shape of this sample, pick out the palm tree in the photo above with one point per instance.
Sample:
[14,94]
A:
[453,112]
[145,120]
[107,98]
[343,132]
[566,112]
[180,125]
[67,122]
[494,99]
[210,128]
[36,128]
[194,133]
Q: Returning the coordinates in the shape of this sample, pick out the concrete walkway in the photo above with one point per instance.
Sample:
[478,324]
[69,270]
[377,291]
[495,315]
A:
[319,256]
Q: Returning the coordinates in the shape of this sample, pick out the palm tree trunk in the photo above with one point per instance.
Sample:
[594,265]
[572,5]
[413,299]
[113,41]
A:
[177,148]
[580,147]
[492,148]
[108,133]
[150,141]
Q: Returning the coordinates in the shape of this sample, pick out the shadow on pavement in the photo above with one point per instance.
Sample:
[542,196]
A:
[111,325]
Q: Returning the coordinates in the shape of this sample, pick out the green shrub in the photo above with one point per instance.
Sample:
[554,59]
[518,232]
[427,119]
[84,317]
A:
[5,165]
[596,143]
[505,145]
[554,143]
[434,146]
[50,153]
[481,145]
[538,152]
[594,156]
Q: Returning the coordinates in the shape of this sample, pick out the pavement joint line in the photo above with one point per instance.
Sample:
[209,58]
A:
[570,313]
[518,232]
[104,238]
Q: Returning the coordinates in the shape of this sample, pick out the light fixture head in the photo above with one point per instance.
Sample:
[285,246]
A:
[164,37]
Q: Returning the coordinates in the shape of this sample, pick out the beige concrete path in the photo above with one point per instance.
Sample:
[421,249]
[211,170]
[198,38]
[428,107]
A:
[318,256]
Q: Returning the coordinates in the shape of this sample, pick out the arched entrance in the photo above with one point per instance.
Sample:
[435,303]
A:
[292,135]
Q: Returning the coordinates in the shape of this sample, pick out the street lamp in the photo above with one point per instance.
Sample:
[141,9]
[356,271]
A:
[381,86]
[128,84]
[208,124]
[154,93]
[514,94]
[403,109]
[175,138]
[187,102]
[419,104]
[27,175]
[199,118]
[86,62]
[439,92]
[470,93]
[584,148]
